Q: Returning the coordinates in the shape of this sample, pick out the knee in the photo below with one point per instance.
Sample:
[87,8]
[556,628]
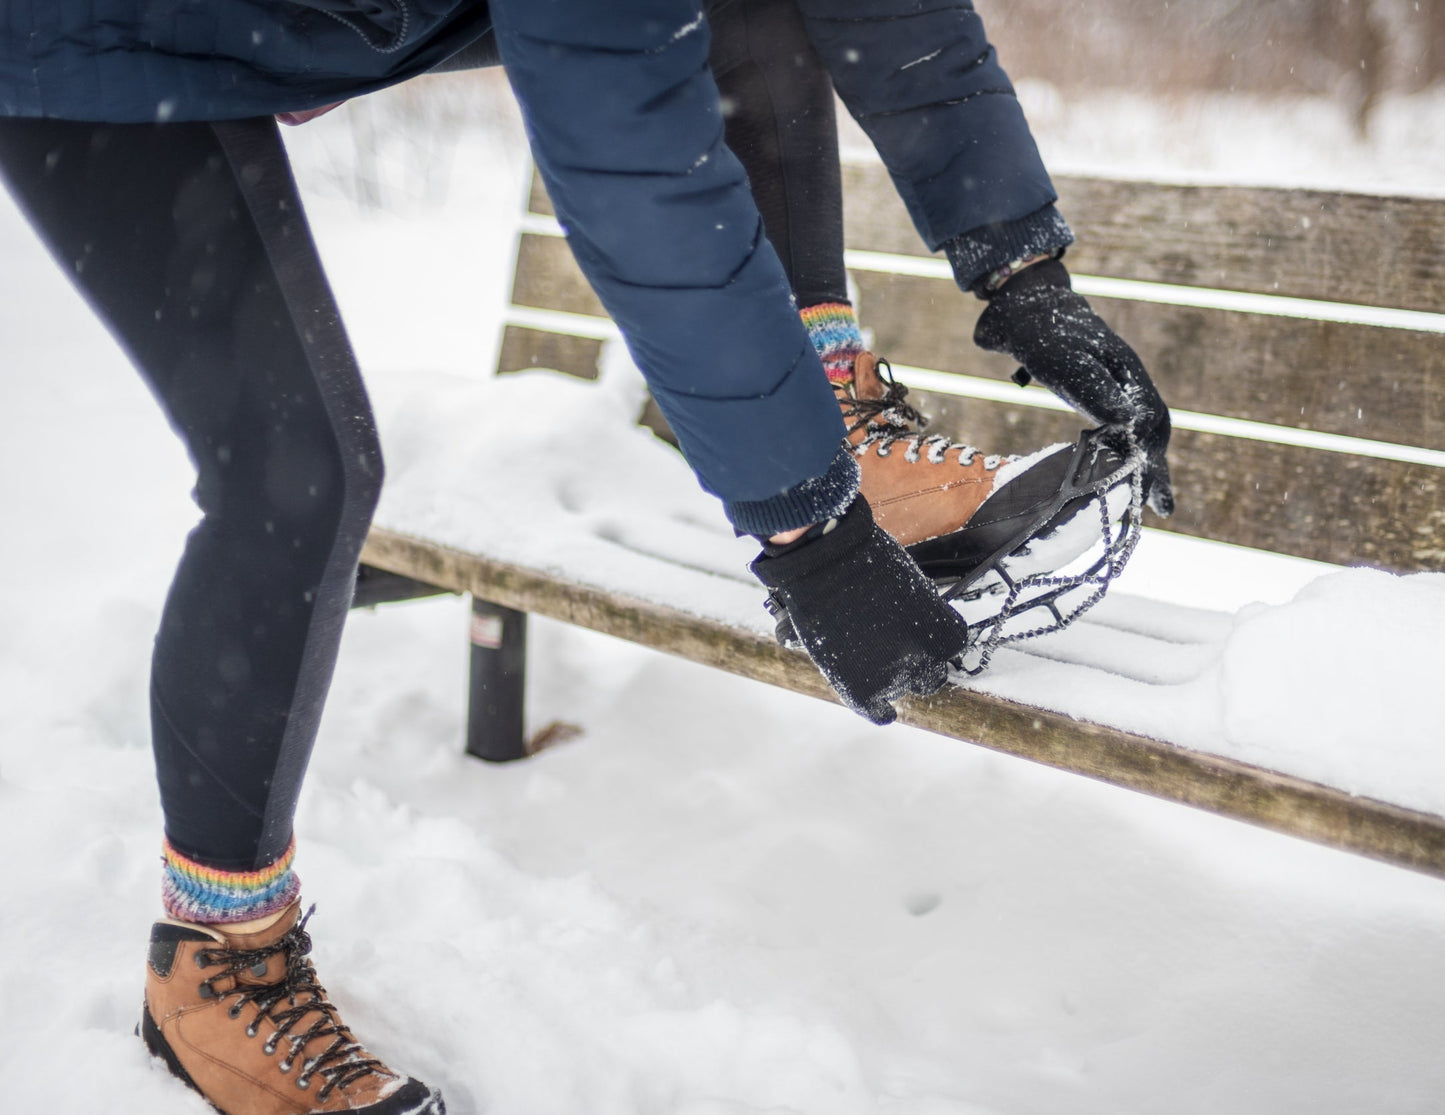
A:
[297,487]
[315,479]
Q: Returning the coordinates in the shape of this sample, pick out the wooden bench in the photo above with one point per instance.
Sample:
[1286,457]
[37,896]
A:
[1297,334]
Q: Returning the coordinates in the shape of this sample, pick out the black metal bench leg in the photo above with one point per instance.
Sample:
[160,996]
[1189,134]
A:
[495,729]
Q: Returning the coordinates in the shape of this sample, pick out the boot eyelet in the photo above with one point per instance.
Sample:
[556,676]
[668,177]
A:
[251,1030]
[258,968]
[206,991]
[234,1012]
[203,959]
[286,1063]
[270,1046]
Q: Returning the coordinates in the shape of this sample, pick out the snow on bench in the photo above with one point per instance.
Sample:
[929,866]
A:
[1298,336]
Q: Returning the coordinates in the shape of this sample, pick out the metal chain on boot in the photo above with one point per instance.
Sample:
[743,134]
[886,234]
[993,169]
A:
[1119,540]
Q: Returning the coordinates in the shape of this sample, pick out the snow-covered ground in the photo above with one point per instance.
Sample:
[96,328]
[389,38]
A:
[721,899]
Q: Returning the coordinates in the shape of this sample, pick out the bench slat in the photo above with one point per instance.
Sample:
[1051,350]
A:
[1359,381]
[1356,380]
[547,276]
[1335,507]
[524,348]
[1333,247]
[1357,248]
[1266,798]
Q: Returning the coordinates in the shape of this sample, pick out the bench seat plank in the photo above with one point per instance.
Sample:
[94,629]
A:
[1282,803]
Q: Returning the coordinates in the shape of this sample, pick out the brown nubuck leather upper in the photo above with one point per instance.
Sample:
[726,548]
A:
[242,1019]
[919,487]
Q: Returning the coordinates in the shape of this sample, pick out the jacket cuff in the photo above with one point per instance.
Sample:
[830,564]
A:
[982,250]
[813,501]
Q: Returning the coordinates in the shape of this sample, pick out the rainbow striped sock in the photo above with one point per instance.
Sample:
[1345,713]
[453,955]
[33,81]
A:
[833,329]
[196,893]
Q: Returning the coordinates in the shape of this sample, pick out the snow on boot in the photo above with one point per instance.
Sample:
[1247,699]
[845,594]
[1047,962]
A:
[240,1017]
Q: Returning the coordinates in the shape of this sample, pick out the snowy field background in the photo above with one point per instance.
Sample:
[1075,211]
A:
[722,899]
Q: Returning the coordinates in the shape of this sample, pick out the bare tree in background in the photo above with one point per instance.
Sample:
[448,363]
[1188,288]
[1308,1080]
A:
[1352,51]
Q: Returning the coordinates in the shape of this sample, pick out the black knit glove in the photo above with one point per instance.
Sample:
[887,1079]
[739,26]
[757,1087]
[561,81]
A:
[1036,318]
[868,617]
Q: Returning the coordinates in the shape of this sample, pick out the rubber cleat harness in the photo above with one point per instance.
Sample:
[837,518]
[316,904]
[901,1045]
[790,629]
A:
[995,561]
[1097,483]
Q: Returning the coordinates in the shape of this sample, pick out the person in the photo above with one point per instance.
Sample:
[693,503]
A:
[942,501]
[777,96]
[140,142]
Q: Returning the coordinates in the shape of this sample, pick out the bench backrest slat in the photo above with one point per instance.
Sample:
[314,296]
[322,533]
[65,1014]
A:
[547,277]
[1357,248]
[1358,381]
[538,348]
[1336,507]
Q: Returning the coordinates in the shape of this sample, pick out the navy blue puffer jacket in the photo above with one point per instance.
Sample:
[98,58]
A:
[139,61]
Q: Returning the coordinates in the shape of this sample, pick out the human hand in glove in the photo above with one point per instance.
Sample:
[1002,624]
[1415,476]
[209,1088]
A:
[1036,318]
[868,617]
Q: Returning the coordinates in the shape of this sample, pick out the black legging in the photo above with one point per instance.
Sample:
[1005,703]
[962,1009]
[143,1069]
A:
[189,241]
[780,124]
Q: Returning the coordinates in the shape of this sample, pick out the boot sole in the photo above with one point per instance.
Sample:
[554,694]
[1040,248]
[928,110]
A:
[1064,552]
[1034,506]
[1067,537]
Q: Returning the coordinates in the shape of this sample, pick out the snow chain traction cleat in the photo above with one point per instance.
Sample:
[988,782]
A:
[1039,553]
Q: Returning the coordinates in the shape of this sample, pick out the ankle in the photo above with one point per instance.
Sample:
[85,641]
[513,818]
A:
[833,329]
[201,895]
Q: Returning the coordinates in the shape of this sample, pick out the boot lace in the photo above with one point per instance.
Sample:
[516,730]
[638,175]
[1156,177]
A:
[892,419]
[285,1003]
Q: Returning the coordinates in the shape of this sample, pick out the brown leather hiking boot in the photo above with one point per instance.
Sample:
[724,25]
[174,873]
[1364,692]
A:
[240,1017]
[919,487]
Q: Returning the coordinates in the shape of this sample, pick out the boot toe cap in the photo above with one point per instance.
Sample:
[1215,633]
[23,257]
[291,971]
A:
[412,1098]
